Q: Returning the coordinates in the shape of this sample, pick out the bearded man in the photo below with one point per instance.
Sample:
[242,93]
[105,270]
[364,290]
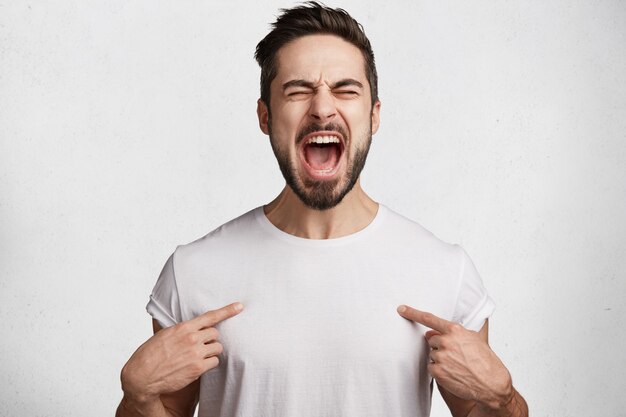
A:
[326,274]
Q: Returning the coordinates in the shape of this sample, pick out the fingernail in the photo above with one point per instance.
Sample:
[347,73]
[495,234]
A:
[238,306]
[401,309]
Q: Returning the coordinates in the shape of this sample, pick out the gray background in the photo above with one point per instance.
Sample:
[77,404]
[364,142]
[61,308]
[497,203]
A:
[129,127]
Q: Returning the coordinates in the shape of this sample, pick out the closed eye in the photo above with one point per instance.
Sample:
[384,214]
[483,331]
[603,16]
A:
[347,92]
[298,93]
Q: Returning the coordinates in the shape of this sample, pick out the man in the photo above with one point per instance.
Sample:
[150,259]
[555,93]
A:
[324,272]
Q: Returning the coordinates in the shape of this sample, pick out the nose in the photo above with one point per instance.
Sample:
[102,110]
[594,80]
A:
[322,108]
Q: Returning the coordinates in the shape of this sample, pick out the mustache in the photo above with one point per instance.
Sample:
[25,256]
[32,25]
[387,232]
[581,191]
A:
[314,127]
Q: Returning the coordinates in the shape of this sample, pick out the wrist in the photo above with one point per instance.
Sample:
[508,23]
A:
[498,398]
[134,395]
[142,400]
[141,405]
[515,407]
[498,405]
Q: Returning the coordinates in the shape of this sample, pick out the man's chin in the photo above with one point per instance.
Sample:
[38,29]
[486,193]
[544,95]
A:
[327,185]
[316,194]
[321,205]
[323,195]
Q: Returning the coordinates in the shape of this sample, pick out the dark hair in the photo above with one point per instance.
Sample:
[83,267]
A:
[309,19]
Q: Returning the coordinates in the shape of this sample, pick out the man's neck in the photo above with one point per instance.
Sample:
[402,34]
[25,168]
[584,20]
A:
[289,214]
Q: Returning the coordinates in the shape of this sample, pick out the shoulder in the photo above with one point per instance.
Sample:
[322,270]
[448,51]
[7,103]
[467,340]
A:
[223,239]
[412,234]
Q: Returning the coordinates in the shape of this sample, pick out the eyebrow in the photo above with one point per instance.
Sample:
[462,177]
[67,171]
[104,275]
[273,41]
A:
[308,84]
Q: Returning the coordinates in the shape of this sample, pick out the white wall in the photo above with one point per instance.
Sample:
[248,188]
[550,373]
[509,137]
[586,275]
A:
[129,127]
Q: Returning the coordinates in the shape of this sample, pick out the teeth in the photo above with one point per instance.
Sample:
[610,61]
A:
[324,139]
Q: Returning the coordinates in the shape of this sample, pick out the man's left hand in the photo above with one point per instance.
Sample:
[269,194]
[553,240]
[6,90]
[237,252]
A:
[462,362]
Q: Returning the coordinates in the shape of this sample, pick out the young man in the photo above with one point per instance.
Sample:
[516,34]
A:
[324,272]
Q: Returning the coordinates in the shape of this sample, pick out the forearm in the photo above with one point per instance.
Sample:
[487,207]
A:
[148,408]
[514,407]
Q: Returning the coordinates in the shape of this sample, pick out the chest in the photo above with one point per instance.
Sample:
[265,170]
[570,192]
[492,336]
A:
[319,330]
[313,310]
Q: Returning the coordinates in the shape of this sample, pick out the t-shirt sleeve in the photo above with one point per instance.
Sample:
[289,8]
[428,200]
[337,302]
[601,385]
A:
[474,305]
[164,304]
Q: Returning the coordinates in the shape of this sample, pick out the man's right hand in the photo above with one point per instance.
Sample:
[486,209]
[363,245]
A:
[176,356]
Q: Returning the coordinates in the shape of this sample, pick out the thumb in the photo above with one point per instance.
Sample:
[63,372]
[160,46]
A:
[431,333]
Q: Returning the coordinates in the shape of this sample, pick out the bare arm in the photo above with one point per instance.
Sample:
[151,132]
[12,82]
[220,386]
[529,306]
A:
[161,379]
[512,403]
[459,407]
[181,403]
[517,407]
[471,378]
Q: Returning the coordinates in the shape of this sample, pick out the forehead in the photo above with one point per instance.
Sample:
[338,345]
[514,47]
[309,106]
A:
[315,57]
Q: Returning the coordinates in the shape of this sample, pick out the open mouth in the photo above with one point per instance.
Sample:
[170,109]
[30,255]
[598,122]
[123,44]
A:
[321,153]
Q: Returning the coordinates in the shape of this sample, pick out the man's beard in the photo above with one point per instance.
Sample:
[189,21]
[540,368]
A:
[322,195]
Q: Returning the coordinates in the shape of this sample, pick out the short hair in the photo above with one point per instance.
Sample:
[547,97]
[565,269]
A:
[312,18]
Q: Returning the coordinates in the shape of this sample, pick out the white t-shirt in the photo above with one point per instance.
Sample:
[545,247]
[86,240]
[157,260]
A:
[319,334]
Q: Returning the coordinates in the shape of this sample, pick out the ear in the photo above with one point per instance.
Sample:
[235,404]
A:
[262,113]
[375,116]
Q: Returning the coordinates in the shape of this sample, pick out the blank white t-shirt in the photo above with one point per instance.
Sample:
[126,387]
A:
[319,334]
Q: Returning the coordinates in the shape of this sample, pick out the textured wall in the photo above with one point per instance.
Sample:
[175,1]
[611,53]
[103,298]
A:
[129,127]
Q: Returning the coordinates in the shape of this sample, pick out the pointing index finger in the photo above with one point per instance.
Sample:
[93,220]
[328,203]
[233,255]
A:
[212,317]
[427,319]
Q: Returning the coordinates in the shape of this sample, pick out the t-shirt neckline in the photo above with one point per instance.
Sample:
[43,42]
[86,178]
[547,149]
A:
[269,227]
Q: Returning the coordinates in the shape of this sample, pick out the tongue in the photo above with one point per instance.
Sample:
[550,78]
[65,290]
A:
[321,157]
